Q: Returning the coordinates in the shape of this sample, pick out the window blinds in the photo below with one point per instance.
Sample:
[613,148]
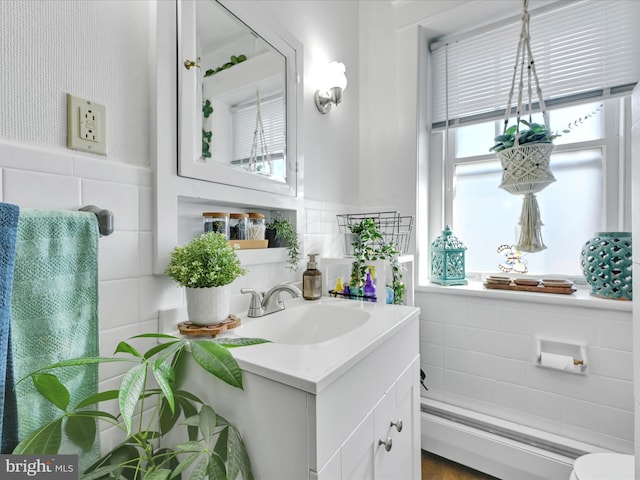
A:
[582,49]
[272,111]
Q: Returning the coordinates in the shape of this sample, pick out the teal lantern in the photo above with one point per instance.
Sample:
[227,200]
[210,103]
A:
[447,260]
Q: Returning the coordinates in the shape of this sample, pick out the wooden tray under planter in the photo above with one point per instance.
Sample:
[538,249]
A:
[192,330]
[568,290]
[248,244]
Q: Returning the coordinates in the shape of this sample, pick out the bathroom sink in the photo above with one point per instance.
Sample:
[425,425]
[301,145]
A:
[305,324]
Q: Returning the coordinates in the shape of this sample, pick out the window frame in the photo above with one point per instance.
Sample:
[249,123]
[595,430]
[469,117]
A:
[616,187]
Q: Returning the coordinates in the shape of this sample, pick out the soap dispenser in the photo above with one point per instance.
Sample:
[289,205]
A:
[312,280]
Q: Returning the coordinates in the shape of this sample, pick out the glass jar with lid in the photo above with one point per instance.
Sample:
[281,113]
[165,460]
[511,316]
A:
[216,222]
[256,226]
[238,226]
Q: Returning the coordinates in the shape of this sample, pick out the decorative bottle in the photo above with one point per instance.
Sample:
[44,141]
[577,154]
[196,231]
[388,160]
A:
[312,280]
[369,289]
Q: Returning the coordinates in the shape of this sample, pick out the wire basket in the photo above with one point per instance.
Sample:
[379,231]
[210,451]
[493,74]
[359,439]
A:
[394,228]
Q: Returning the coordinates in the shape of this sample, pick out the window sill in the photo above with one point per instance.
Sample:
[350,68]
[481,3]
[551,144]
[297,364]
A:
[580,298]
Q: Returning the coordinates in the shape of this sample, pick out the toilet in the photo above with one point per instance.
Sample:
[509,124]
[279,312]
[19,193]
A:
[603,466]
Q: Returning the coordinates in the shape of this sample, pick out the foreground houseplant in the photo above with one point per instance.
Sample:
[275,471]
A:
[280,232]
[214,449]
[206,266]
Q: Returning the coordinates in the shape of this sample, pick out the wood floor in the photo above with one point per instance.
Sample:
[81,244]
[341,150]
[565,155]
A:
[438,468]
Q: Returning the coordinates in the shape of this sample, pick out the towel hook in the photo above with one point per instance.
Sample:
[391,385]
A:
[105,219]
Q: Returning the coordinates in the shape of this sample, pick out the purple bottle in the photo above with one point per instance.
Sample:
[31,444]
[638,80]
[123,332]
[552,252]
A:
[369,289]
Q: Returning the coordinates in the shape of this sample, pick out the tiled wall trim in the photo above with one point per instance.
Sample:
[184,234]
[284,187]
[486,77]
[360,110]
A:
[480,354]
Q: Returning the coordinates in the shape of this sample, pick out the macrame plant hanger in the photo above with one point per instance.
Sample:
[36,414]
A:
[525,167]
[259,143]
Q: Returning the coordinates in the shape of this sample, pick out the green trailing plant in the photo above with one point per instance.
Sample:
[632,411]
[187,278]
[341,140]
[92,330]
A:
[534,133]
[207,135]
[206,261]
[284,231]
[369,245]
[234,60]
[213,446]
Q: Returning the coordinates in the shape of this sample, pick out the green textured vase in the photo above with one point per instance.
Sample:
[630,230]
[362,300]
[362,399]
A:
[607,265]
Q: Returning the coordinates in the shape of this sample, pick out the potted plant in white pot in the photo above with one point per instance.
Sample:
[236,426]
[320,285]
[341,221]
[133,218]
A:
[206,266]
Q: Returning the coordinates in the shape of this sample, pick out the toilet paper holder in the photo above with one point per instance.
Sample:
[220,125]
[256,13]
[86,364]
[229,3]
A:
[559,355]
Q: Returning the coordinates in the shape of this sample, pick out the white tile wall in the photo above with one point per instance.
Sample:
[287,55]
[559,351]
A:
[129,294]
[479,354]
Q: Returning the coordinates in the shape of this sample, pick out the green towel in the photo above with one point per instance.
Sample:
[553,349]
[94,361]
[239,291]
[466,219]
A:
[54,307]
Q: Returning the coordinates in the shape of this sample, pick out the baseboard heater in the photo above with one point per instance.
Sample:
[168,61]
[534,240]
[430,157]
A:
[497,447]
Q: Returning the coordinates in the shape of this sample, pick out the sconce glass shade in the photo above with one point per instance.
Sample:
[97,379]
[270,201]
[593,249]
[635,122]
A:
[335,76]
[332,84]
[447,260]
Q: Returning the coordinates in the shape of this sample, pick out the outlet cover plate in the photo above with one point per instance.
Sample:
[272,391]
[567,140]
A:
[86,125]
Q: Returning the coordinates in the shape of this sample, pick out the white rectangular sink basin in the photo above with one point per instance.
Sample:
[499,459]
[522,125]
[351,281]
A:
[312,343]
[305,324]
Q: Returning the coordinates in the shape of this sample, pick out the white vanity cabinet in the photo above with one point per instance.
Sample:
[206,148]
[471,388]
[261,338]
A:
[329,428]
[384,446]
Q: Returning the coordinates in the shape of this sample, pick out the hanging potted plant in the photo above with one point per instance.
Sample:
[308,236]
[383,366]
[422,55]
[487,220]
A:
[206,266]
[280,233]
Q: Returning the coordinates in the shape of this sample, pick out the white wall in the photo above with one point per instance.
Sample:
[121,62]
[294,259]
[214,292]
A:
[101,51]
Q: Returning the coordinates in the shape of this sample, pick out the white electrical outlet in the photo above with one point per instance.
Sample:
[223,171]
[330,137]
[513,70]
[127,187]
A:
[86,125]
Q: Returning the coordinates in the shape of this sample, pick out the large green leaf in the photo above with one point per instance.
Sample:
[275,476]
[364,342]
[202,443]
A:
[187,395]
[99,397]
[218,361]
[163,373]
[207,423]
[130,390]
[81,430]
[183,465]
[222,443]
[189,411]
[74,362]
[168,419]
[200,471]
[45,440]
[95,414]
[158,348]
[124,347]
[238,342]
[50,388]
[162,474]
[191,446]
[237,458]
[216,468]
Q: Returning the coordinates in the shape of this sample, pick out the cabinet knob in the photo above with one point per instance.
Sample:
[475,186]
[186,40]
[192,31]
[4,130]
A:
[397,424]
[189,64]
[388,443]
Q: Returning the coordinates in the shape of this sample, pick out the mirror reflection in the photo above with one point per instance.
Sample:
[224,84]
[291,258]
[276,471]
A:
[241,90]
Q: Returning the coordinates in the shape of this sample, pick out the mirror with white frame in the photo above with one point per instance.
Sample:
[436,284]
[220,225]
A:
[237,100]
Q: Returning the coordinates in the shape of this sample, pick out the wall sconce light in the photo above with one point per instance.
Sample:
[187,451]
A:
[332,84]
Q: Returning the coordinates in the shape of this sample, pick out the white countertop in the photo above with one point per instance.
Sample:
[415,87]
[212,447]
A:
[315,366]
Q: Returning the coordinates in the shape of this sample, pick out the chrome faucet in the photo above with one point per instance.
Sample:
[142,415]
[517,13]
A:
[271,301]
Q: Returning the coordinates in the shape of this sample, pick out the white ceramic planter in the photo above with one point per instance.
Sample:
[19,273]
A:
[208,306]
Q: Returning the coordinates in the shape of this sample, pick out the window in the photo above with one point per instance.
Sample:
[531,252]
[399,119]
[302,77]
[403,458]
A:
[469,84]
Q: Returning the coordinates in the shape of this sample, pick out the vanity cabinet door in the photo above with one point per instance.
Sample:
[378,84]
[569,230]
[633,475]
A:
[395,418]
